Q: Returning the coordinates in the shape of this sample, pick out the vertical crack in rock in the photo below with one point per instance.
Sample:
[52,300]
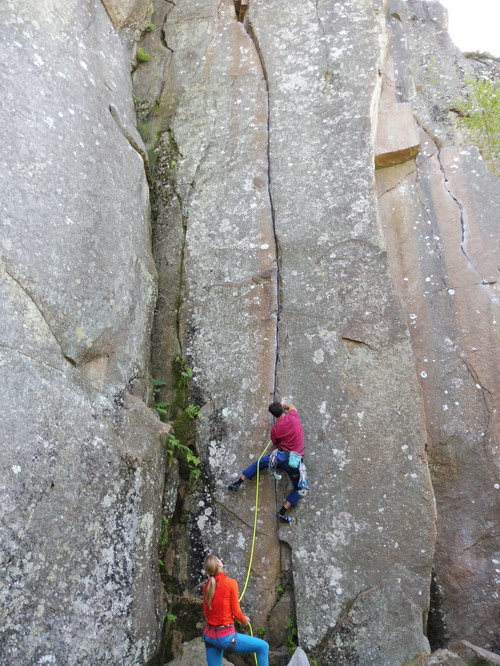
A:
[251,33]
[474,375]
[247,24]
[133,142]
[455,199]
[328,68]
[241,8]
[484,394]
[163,38]
[461,214]
[180,283]
[437,632]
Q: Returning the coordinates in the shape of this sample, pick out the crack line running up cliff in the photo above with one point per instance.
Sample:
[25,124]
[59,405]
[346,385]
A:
[461,215]
[251,33]
[133,143]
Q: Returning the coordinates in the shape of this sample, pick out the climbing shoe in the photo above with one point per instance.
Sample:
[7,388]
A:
[235,484]
[284,518]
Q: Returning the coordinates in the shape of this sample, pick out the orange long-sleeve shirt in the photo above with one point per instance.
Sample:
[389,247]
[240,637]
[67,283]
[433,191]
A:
[225,605]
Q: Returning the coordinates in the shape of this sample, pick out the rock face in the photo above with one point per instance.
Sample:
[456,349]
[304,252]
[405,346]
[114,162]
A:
[321,237]
[218,238]
[271,224]
[193,653]
[440,223]
[438,658]
[82,459]
[341,338]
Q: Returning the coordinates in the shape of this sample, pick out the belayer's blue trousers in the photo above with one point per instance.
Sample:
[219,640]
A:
[244,645]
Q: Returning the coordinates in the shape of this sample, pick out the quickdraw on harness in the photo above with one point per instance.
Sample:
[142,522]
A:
[302,486]
[273,464]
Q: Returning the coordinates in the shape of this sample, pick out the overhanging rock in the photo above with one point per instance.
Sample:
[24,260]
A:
[397,140]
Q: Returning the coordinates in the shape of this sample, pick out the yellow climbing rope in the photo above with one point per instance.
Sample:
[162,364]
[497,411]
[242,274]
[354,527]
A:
[254,533]
[254,521]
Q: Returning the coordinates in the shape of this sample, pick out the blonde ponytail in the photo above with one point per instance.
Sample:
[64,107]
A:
[211,566]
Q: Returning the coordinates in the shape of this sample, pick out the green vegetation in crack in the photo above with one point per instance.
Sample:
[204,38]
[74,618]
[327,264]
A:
[291,640]
[193,411]
[164,531]
[479,115]
[480,55]
[160,406]
[182,414]
[173,401]
[280,589]
[142,56]
[184,455]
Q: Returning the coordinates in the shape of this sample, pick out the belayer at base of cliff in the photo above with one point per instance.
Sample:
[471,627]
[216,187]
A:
[221,608]
[287,436]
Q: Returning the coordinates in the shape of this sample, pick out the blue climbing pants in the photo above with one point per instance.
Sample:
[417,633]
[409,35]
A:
[281,463]
[244,645]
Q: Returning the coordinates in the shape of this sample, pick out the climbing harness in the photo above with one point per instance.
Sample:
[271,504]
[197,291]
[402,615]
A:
[302,486]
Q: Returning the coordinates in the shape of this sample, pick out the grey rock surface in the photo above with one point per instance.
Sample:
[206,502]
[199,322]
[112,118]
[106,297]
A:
[360,567]
[473,654]
[282,276]
[268,134]
[193,653]
[438,658]
[82,458]
[218,246]
[440,219]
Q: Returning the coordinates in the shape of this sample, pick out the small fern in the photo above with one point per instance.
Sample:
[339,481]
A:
[178,450]
[158,384]
[161,408]
[193,475]
[193,411]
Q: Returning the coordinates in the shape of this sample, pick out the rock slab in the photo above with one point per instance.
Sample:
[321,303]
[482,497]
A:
[82,456]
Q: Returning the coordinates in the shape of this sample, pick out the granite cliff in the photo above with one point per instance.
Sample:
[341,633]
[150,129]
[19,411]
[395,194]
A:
[209,205]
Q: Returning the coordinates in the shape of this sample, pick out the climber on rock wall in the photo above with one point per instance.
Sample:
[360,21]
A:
[287,437]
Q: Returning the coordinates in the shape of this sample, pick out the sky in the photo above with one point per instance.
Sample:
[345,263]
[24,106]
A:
[474,25]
